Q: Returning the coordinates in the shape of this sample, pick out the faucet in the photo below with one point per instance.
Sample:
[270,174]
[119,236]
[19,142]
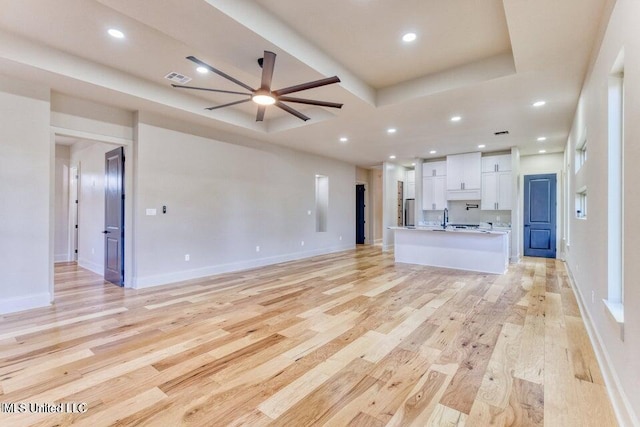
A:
[445,218]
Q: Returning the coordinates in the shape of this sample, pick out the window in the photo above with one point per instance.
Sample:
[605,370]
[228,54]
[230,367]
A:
[615,187]
[322,202]
[581,204]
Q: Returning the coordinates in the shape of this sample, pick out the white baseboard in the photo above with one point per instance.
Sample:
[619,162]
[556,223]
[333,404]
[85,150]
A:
[61,258]
[621,405]
[91,266]
[12,305]
[178,276]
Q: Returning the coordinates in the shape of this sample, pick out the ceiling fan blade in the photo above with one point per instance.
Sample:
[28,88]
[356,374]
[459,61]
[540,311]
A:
[305,86]
[220,73]
[268,63]
[290,110]
[211,90]
[310,102]
[260,115]
[229,104]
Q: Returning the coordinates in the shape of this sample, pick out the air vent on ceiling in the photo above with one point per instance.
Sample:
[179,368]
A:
[177,78]
[502,132]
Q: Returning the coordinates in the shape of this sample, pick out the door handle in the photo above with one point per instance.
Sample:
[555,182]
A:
[527,225]
[106,232]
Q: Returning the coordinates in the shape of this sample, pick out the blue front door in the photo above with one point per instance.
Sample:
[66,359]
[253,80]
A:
[540,215]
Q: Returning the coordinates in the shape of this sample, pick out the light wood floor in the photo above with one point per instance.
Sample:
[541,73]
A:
[343,339]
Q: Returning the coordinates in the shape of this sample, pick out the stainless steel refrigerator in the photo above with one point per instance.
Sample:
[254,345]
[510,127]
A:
[409,213]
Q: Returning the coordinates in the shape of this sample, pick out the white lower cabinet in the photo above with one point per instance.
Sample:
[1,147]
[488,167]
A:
[434,193]
[496,191]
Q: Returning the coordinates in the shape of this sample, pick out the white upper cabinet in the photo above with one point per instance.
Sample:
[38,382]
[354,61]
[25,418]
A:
[434,168]
[434,193]
[410,188]
[464,177]
[496,191]
[500,163]
[496,182]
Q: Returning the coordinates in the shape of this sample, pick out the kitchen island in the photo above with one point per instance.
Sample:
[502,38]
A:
[485,251]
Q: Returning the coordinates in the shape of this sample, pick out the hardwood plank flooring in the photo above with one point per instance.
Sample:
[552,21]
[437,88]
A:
[344,339]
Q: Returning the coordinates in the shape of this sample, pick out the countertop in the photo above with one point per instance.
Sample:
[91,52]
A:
[455,230]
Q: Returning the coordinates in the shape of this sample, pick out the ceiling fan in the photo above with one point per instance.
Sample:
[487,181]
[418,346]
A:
[264,96]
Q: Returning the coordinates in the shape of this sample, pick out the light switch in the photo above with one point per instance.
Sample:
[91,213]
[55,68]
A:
[151,211]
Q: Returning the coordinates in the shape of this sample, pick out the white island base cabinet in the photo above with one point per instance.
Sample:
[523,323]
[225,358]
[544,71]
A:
[485,252]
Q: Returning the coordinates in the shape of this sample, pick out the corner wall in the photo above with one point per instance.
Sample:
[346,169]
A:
[588,239]
[26,162]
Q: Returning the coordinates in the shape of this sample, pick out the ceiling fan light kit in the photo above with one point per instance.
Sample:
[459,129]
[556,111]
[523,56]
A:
[264,96]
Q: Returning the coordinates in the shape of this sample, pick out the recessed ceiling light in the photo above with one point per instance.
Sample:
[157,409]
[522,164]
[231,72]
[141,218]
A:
[539,103]
[432,152]
[481,146]
[542,151]
[413,164]
[409,37]
[202,70]
[542,138]
[344,139]
[116,33]
[456,118]
[392,157]
[391,130]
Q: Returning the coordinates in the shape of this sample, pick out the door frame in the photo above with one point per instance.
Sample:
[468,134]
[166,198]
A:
[562,203]
[74,218]
[368,226]
[130,200]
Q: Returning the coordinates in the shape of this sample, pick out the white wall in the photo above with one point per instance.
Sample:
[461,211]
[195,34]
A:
[224,199]
[61,224]
[87,119]
[26,161]
[543,164]
[587,254]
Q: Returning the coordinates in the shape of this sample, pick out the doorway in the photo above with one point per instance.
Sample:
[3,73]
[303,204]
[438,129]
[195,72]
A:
[540,215]
[95,186]
[360,212]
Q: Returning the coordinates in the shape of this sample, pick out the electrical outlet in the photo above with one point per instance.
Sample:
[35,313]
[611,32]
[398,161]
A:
[302,243]
[340,237]
[187,257]
[593,297]
[93,251]
[308,212]
[257,248]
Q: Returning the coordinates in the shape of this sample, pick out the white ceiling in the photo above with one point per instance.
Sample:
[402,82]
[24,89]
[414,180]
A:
[485,61]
